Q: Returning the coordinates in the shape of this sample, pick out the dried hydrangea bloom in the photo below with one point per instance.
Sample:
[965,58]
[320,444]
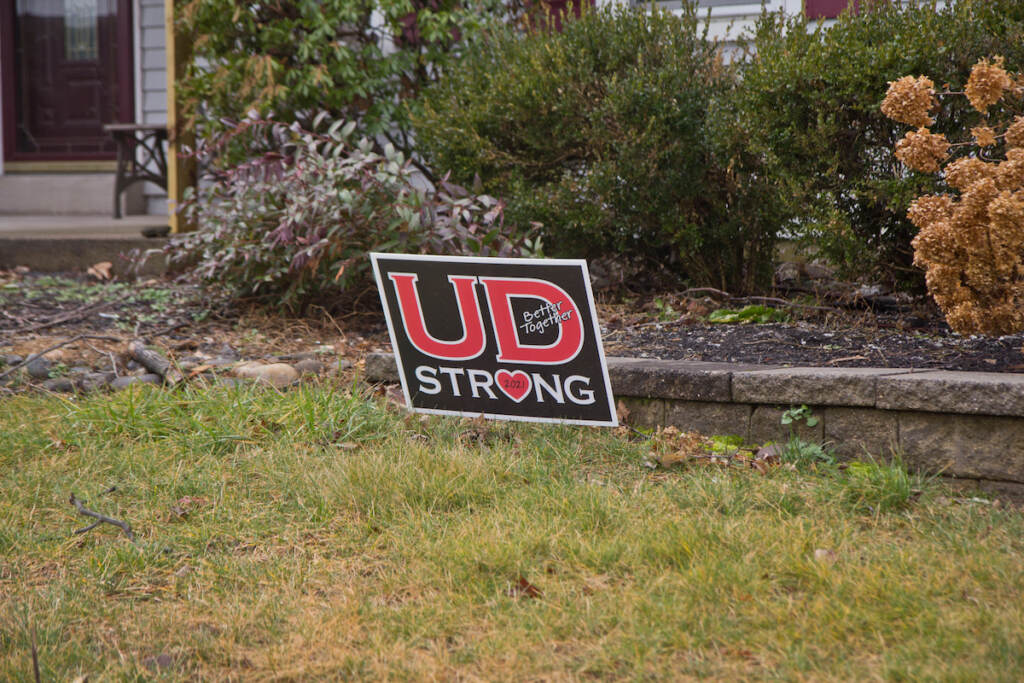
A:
[1010,173]
[984,136]
[972,209]
[934,245]
[1002,318]
[987,83]
[962,318]
[909,100]
[1006,213]
[963,173]
[929,209]
[1015,132]
[922,150]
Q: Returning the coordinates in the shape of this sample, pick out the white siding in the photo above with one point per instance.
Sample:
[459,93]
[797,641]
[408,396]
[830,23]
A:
[730,18]
[151,89]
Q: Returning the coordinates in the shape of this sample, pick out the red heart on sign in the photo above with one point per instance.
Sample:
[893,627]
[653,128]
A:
[516,385]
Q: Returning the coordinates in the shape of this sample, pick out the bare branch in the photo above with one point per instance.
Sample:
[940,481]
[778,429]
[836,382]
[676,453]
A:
[82,510]
[55,347]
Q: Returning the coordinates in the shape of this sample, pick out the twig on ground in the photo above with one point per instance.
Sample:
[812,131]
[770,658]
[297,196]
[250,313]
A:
[334,322]
[42,353]
[668,323]
[110,355]
[781,302]
[154,362]
[82,510]
[167,330]
[80,312]
[706,290]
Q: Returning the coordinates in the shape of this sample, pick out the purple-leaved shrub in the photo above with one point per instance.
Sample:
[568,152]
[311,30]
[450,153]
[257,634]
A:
[294,223]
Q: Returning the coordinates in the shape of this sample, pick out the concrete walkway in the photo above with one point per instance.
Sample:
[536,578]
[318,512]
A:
[71,243]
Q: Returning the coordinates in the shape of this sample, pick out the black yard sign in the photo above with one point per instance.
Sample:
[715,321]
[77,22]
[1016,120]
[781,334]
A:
[512,339]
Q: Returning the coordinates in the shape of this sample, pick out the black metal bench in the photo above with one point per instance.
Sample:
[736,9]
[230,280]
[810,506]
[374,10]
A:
[140,156]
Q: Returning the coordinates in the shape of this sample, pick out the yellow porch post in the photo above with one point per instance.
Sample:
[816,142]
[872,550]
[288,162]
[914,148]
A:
[181,173]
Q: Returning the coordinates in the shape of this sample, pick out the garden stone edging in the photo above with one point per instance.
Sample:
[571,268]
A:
[967,426]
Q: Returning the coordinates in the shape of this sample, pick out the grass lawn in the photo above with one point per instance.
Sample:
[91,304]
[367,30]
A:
[322,534]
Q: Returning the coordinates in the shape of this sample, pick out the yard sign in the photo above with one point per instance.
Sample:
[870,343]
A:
[511,339]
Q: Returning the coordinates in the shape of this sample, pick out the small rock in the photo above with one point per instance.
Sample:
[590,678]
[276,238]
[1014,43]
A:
[221,361]
[13,359]
[187,365]
[309,366]
[123,382]
[344,364]
[39,368]
[227,351]
[95,380]
[63,385]
[230,381]
[306,355]
[278,374]
[300,355]
[132,366]
[80,370]
[817,271]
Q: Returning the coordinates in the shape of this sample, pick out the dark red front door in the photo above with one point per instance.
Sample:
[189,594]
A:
[67,71]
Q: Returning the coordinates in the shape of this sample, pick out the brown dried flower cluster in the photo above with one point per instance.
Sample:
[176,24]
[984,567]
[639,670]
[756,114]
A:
[971,242]
[909,100]
[984,136]
[1015,133]
[987,83]
[922,150]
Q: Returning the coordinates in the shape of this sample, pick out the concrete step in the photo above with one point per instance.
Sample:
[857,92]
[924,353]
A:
[57,194]
[73,243]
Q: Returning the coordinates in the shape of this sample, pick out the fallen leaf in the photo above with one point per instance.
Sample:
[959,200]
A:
[622,412]
[523,588]
[199,370]
[102,270]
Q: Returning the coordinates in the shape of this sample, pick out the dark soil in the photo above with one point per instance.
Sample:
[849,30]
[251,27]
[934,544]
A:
[914,337]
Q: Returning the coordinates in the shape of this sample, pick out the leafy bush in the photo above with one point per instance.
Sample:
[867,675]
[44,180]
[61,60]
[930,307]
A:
[357,59]
[971,242]
[293,225]
[605,134]
[810,103]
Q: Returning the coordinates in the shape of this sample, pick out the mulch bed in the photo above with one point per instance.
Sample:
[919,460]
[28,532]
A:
[38,311]
[906,334]
[864,341]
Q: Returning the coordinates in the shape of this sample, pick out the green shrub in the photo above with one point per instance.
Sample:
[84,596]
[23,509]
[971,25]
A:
[293,225]
[810,103]
[603,134]
[357,59]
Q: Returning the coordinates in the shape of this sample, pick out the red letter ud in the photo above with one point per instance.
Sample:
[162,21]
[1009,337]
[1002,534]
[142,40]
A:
[473,338]
[501,291]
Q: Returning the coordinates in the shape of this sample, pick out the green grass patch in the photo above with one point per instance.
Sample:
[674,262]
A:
[322,534]
[748,314]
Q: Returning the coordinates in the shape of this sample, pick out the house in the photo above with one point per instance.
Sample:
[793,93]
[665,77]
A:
[729,18]
[67,67]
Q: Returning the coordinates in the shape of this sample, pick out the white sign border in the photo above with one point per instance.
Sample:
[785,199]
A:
[581,263]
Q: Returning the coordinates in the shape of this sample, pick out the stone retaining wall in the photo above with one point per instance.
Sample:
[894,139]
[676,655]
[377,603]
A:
[967,426]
